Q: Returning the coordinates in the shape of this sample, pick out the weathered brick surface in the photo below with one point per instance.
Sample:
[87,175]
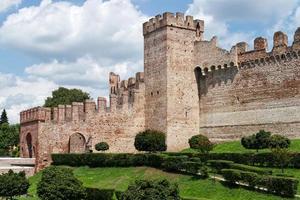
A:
[190,86]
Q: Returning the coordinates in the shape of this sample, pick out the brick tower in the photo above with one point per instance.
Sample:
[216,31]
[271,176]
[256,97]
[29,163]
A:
[172,102]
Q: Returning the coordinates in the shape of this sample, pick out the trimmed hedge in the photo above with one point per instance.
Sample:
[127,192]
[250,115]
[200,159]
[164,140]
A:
[282,186]
[108,160]
[225,164]
[103,194]
[184,164]
[255,159]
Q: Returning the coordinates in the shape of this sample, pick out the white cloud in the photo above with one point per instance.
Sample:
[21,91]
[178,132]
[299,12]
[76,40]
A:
[22,93]
[85,71]
[220,14]
[78,46]
[110,30]
[6,4]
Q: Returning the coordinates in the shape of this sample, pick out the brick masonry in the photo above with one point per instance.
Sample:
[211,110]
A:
[189,86]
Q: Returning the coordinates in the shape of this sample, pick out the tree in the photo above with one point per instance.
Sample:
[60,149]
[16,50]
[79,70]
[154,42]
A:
[4,118]
[201,143]
[9,136]
[282,157]
[58,183]
[144,189]
[151,141]
[64,96]
[13,184]
[102,146]
[257,141]
[279,141]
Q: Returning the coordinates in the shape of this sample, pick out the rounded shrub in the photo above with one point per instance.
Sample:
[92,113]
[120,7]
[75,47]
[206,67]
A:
[151,141]
[102,146]
[201,143]
[58,183]
[279,141]
[144,189]
[13,184]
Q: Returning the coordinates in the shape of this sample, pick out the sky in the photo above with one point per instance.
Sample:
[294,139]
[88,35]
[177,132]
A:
[45,44]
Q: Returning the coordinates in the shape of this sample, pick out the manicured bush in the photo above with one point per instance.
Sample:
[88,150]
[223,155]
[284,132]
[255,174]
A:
[201,143]
[218,165]
[144,189]
[174,163]
[279,141]
[195,168]
[283,186]
[151,141]
[155,160]
[102,146]
[59,183]
[94,194]
[13,184]
[258,141]
[231,176]
[108,160]
[282,157]
[250,169]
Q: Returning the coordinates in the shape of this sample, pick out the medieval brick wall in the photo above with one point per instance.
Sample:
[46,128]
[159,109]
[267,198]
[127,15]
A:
[190,86]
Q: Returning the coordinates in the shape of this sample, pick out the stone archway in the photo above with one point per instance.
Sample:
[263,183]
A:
[77,143]
[29,145]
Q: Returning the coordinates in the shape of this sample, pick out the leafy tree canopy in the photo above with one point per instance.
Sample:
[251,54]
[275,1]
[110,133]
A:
[9,135]
[64,96]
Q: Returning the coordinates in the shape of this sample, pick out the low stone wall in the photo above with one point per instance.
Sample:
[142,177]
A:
[18,165]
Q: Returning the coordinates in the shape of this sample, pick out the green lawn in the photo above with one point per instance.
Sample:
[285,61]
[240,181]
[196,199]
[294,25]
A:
[190,187]
[236,147]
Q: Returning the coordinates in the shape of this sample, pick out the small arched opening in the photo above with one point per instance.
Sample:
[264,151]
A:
[77,143]
[29,145]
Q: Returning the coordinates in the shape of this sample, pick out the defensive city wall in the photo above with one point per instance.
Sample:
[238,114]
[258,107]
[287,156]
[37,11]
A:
[189,86]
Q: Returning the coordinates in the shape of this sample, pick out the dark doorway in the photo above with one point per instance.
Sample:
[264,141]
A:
[29,145]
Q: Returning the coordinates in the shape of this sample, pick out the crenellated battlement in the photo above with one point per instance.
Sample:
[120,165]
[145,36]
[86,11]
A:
[260,51]
[170,19]
[35,114]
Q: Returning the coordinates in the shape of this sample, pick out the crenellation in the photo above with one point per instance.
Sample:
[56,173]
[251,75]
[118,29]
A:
[260,43]
[280,42]
[169,19]
[113,100]
[55,114]
[131,82]
[68,113]
[61,114]
[242,47]
[89,106]
[102,104]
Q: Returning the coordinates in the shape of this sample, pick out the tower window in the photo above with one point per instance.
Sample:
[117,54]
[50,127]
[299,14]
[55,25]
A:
[157,92]
[151,93]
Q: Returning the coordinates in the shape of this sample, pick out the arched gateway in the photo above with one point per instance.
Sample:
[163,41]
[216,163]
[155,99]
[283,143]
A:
[77,143]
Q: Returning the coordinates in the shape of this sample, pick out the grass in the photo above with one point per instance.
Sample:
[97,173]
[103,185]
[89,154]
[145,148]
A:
[236,147]
[190,187]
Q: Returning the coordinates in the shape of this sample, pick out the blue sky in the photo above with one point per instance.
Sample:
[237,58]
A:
[45,44]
